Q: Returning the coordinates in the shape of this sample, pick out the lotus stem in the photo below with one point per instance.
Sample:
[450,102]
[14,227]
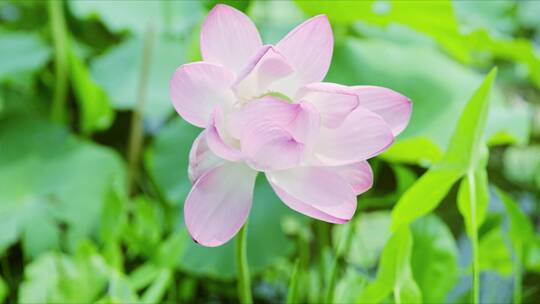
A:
[242,268]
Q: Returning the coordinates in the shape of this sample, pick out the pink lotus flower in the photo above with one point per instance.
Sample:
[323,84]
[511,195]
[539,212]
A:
[264,109]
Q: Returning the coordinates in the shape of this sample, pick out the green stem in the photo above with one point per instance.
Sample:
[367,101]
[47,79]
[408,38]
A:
[59,36]
[292,293]
[136,132]
[342,249]
[242,269]
[397,295]
[324,251]
[474,239]
[517,275]
[295,293]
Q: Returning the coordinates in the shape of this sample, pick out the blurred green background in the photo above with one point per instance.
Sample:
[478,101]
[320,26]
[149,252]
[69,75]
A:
[93,157]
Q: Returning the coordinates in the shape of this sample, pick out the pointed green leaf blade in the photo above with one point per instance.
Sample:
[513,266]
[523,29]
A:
[464,154]
[424,196]
[464,150]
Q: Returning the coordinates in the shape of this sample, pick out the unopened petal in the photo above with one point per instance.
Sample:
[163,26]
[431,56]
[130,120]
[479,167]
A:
[266,67]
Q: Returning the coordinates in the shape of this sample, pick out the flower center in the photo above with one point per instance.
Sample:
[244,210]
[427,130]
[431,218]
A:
[277,95]
[243,101]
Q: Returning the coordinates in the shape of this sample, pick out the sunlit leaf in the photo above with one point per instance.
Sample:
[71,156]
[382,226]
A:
[434,258]
[424,196]
[496,16]
[519,50]
[465,147]
[464,154]
[419,16]
[414,14]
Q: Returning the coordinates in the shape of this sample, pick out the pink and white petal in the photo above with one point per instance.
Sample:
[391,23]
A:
[219,203]
[362,135]
[333,101]
[229,37]
[268,146]
[305,126]
[315,191]
[301,120]
[267,66]
[201,158]
[219,141]
[393,107]
[198,88]
[308,48]
[359,175]
[267,108]
[305,208]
